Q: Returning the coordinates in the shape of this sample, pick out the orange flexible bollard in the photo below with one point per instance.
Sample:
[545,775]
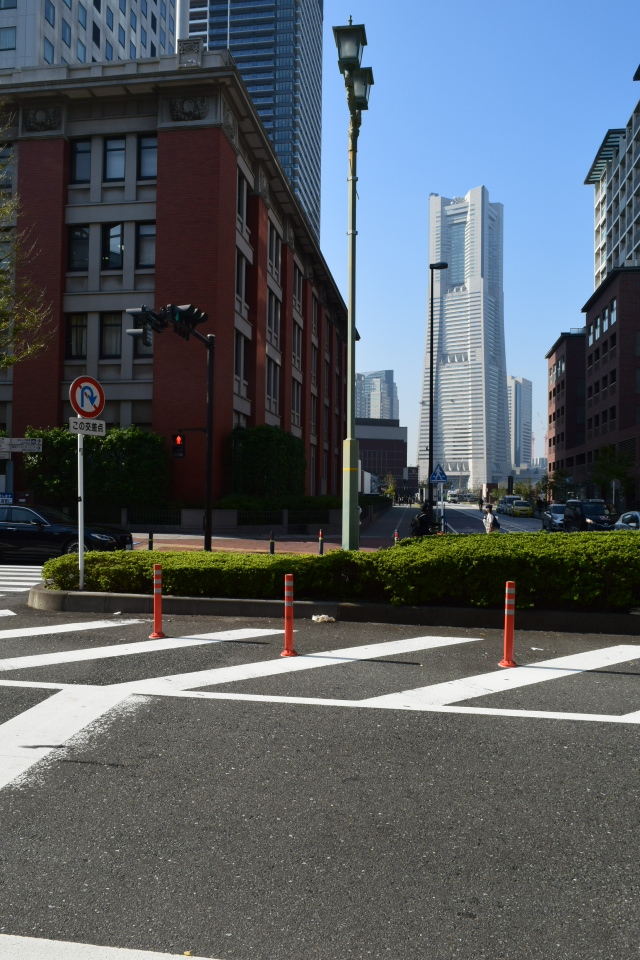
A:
[395,538]
[157,603]
[288,617]
[509,615]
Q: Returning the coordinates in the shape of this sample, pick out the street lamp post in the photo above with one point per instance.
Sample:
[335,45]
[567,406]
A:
[432,266]
[350,41]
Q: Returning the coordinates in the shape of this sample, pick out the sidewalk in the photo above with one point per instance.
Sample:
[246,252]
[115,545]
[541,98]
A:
[378,534]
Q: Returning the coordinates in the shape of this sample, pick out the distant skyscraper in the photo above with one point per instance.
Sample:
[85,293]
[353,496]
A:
[377,396]
[471,434]
[34,32]
[277,48]
[519,397]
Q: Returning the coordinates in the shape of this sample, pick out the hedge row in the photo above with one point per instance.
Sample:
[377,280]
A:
[587,571]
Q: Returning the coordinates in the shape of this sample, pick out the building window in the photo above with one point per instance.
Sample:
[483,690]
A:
[146,245]
[296,402]
[297,288]
[108,51]
[123,6]
[273,386]
[313,415]
[143,36]
[613,312]
[605,319]
[590,334]
[76,336]
[96,34]
[242,270]
[133,20]
[314,316]
[143,7]
[48,49]
[147,158]
[82,15]
[154,22]
[121,37]
[327,376]
[110,18]
[596,329]
[132,51]
[243,192]
[78,254]
[110,336]
[275,248]
[112,246]
[66,33]
[82,52]
[114,159]
[68,3]
[8,4]
[49,12]
[296,345]
[273,320]
[163,10]
[163,38]
[80,171]
[314,363]
[240,365]
[152,49]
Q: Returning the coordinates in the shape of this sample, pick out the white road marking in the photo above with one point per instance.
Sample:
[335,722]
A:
[34,734]
[7,613]
[454,691]
[31,948]
[128,649]
[269,668]
[64,628]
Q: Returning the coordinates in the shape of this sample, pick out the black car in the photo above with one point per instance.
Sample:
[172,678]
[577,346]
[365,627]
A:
[589,515]
[553,517]
[45,532]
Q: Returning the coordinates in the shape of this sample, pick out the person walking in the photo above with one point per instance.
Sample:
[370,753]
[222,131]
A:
[480,503]
[491,524]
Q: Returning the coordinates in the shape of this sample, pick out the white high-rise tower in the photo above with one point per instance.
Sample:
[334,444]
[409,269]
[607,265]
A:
[470,424]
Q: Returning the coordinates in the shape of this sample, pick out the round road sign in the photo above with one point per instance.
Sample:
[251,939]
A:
[87,397]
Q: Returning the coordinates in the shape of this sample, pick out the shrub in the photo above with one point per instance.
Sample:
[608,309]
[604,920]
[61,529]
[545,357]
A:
[587,571]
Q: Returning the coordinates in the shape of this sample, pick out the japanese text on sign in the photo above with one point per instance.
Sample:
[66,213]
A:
[96,428]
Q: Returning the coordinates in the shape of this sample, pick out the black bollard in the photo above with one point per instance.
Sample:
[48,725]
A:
[272,543]
[320,544]
[150,541]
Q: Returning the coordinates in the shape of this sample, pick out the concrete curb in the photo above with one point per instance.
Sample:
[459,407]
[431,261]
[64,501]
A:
[552,621]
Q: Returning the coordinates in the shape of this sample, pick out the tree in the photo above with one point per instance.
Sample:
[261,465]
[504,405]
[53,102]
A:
[523,489]
[25,317]
[612,465]
[388,485]
[267,462]
[128,467]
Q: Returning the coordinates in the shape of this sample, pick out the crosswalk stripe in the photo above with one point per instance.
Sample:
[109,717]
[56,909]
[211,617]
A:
[455,691]
[268,668]
[32,948]
[64,628]
[128,649]
[7,613]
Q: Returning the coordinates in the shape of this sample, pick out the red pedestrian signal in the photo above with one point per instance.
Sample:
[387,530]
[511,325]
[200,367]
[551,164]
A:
[178,444]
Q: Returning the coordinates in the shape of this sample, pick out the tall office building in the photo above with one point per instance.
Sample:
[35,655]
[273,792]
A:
[520,416]
[36,32]
[470,425]
[377,396]
[277,47]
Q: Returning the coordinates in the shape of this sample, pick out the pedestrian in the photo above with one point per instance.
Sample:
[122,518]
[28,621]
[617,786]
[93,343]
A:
[480,503]
[490,521]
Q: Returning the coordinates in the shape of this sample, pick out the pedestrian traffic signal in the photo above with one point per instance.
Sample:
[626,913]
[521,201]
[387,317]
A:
[146,320]
[178,445]
[185,318]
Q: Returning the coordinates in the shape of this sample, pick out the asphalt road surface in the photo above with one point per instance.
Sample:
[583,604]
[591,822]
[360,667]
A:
[388,793]
[467,518]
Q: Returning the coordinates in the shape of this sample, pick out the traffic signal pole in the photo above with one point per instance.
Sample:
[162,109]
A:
[208,493]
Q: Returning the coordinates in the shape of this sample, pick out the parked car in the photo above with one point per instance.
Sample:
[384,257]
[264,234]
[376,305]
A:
[46,532]
[628,521]
[585,515]
[553,517]
[520,508]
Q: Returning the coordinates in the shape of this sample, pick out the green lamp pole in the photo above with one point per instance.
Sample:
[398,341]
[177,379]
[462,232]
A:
[351,41]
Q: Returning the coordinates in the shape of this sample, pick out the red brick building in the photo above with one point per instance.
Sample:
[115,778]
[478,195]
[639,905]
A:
[600,380]
[153,181]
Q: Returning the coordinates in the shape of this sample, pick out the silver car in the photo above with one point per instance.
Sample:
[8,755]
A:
[628,521]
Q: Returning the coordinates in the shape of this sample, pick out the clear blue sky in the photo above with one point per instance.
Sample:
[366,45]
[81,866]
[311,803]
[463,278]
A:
[513,94]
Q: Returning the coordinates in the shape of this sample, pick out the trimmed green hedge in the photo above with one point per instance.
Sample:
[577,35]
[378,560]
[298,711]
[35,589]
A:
[579,571]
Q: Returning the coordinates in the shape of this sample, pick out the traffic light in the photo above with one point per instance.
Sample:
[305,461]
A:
[147,320]
[185,318]
[178,445]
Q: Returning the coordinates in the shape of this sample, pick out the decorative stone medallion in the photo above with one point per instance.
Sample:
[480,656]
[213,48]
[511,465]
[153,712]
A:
[42,118]
[191,108]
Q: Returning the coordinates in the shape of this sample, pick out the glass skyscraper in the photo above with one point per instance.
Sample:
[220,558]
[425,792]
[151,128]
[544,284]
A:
[471,427]
[277,47]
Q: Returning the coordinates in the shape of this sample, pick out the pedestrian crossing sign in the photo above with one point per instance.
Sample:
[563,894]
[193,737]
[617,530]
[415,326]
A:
[438,475]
